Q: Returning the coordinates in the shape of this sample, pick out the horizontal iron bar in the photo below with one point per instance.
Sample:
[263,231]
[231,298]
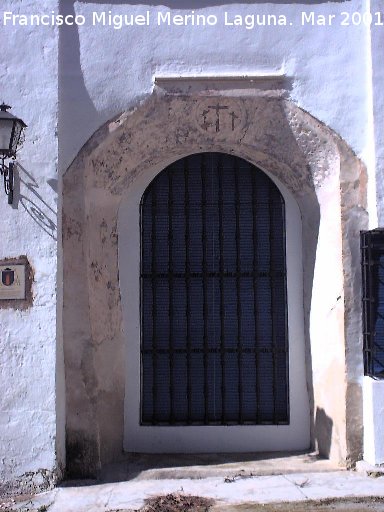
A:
[228,350]
[213,203]
[148,275]
[210,423]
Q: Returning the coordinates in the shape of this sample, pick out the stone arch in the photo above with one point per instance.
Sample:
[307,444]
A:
[313,163]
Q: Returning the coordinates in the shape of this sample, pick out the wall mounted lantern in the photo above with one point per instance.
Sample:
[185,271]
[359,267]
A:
[11,129]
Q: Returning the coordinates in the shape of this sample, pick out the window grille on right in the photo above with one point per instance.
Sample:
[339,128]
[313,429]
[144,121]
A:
[372,260]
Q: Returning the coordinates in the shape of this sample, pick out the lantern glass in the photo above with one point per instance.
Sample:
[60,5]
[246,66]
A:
[11,128]
[6,132]
[17,129]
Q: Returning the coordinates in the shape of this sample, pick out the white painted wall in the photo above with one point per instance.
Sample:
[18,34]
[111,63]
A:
[373,421]
[113,69]
[28,78]
[373,390]
[103,71]
[377,137]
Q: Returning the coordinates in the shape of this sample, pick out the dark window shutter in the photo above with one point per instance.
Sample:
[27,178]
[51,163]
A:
[372,259]
[214,347]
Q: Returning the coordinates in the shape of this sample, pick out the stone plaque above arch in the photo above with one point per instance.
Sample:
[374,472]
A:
[271,84]
[324,177]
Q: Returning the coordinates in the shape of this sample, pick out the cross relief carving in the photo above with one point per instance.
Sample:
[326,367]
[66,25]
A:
[218,116]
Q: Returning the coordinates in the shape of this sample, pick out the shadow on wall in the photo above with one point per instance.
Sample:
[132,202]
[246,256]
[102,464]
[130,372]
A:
[36,207]
[76,109]
[323,432]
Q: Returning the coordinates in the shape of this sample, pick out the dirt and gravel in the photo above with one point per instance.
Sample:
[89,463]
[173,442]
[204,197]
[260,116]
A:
[339,505]
[179,502]
[183,503]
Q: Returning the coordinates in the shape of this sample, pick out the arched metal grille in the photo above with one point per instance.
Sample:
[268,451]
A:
[214,347]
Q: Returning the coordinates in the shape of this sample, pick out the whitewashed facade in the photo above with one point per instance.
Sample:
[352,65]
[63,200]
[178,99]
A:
[109,103]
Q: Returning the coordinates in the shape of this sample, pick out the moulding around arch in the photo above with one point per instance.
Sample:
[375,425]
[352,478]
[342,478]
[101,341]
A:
[273,131]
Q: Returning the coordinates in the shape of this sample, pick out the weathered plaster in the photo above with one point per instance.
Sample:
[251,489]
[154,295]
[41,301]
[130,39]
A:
[29,444]
[328,183]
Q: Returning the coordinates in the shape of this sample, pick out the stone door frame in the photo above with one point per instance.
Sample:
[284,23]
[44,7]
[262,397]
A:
[215,439]
[328,183]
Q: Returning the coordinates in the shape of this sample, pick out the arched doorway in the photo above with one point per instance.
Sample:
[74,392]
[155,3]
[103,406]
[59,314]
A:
[216,351]
[323,186]
[214,336]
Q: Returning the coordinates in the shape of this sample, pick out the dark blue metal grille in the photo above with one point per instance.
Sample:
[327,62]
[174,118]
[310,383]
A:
[214,346]
[372,258]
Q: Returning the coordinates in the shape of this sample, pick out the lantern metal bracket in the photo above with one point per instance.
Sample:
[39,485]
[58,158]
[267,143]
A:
[8,176]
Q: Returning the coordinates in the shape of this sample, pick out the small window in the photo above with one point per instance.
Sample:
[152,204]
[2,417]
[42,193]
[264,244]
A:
[372,259]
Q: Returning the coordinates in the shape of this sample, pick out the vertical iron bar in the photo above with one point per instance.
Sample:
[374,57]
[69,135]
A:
[255,301]
[286,341]
[363,255]
[142,281]
[272,303]
[369,284]
[222,302]
[187,291]
[154,306]
[238,294]
[364,297]
[371,306]
[213,160]
[205,301]
[170,295]
[367,305]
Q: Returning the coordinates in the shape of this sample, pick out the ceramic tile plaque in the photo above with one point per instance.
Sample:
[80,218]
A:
[12,282]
